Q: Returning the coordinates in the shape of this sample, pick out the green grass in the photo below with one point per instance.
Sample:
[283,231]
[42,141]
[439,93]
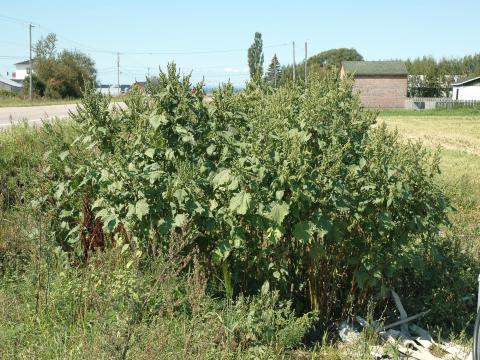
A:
[463,111]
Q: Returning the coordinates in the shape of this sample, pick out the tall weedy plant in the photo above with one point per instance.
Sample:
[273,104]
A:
[294,187]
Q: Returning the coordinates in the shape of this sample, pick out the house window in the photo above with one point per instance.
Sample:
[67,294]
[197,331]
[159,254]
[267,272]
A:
[456,95]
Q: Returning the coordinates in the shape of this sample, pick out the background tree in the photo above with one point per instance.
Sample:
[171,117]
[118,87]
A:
[45,48]
[335,57]
[255,56]
[64,74]
[319,64]
[429,77]
[273,71]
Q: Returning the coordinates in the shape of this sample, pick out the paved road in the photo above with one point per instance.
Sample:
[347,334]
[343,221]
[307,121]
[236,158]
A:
[37,114]
[33,114]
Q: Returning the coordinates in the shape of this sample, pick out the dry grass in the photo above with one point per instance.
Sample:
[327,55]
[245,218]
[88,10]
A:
[459,140]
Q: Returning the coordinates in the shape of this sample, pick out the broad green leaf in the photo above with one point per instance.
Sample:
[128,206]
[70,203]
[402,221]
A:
[157,120]
[180,195]
[220,254]
[362,163]
[211,149]
[233,184]
[154,176]
[222,178]
[150,152]
[169,154]
[301,231]
[361,277]
[141,208]
[279,194]
[164,226]
[180,220]
[98,203]
[241,203]
[322,225]
[279,211]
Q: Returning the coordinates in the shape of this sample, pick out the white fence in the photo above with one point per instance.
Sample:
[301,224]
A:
[420,103]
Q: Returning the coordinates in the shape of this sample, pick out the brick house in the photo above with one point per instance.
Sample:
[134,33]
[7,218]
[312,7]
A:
[381,84]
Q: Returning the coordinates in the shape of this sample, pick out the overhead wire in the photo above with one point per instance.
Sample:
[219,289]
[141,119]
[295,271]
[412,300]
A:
[87,48]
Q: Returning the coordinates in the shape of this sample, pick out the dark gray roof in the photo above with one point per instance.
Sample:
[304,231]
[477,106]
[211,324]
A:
[466,81]
[26,62]
[375,67]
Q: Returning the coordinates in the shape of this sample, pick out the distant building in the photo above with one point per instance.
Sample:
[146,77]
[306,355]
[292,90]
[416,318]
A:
[381,84]
[10,85]
[467,89]
[113,90]
[22,70]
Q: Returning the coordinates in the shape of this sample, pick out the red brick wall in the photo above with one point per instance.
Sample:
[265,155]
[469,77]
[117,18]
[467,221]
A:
[382,91]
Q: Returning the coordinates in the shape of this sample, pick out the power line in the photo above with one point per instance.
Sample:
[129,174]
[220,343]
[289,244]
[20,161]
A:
[20,21]
[13,56]
[196,52]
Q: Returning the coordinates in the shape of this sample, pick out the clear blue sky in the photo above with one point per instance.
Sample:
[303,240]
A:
[377,29]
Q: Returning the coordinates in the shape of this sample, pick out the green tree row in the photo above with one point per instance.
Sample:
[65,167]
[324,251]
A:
[428,77]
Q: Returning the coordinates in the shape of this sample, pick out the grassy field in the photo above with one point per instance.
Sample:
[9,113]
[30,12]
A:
[458,138]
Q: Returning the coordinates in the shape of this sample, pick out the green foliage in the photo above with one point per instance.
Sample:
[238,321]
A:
[7,94]
[124,305]
[432,78]
[255,57]
[319,64]
[63,74]
[265,320]
[38,86]
[334,57]
[273,71]
[293,187]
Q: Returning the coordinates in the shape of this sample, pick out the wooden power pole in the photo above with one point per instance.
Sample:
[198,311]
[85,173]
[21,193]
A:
[293,48]
[118,72]
[30,90]
[275,71]
[306,74]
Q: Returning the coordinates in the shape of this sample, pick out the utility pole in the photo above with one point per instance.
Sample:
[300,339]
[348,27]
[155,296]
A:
[293,46]
[30,92]
[148,72]
[306,81]
[275,71]
[118,72]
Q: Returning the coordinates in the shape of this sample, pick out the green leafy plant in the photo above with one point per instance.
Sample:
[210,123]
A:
[294,187]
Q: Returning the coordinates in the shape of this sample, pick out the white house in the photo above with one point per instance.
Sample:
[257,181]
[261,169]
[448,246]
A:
[22,69]
[468,89]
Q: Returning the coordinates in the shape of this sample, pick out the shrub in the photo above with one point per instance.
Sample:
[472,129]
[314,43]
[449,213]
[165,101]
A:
[38,86]
[295,187]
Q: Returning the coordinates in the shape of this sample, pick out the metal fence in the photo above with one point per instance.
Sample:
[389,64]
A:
[420,103]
